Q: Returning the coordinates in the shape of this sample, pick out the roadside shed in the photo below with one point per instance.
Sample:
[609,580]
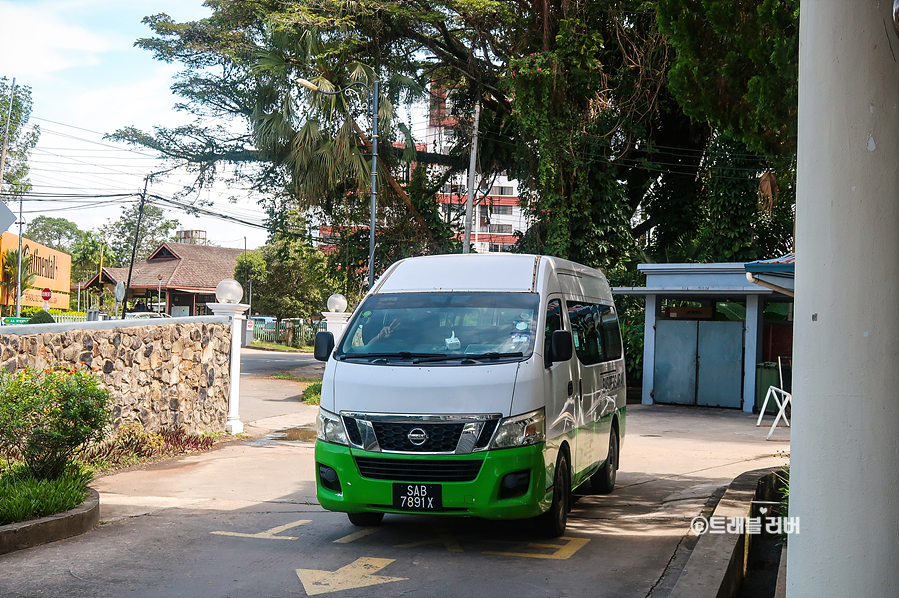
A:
[692,354]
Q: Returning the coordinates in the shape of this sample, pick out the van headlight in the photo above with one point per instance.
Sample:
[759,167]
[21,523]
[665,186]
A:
[520,430]
[329,427]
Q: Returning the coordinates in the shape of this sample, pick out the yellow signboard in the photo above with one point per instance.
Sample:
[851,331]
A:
[52,270]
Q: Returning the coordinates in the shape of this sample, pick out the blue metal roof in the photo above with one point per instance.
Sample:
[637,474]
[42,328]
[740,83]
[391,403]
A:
[784,263]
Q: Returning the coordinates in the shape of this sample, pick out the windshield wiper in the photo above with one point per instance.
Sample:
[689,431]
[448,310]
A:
[468,356]
[395,354]
[494,355]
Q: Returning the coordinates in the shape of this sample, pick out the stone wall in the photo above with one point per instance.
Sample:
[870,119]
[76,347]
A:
[162,374]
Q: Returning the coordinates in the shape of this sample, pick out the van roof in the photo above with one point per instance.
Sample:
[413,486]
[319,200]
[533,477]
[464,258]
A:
[505,272]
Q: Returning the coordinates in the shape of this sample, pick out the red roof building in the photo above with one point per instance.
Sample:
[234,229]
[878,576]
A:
[184,275]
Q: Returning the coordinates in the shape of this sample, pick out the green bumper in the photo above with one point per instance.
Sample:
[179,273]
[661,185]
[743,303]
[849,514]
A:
[480,497]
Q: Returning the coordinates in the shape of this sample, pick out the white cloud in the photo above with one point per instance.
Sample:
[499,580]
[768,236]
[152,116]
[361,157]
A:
[143,103]
[35,41]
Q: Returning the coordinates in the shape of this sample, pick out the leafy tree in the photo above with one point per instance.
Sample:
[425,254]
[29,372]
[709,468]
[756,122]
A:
[289,276]
[574,96]
[22,138]
[737,66]
[57,233]
[571,95]
[155,230]
[10,280]
[87,255]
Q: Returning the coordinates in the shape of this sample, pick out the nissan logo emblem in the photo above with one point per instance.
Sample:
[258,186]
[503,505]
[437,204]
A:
[417,436]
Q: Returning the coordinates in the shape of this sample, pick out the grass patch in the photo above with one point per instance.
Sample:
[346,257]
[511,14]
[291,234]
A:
[312,394]
[277,347]
[288,376]
[24,497]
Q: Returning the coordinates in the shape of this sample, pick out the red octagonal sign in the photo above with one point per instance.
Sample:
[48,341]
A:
[45,294]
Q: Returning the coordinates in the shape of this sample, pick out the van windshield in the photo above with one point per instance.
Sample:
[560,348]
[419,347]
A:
[431,327]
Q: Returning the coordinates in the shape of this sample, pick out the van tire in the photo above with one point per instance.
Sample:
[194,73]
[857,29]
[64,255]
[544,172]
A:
[553,522]
[365,519]
[603,481]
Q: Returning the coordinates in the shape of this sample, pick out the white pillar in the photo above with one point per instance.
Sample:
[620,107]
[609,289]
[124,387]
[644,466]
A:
[235,310]
[649,348]
[336,323]
[752,348]
[844,486]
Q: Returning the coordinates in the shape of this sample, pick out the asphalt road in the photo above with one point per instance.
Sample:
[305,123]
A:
[242,521]
[256,362]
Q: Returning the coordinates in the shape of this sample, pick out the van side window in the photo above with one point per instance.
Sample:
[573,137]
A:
[553,322]
[611,333]
[584,329]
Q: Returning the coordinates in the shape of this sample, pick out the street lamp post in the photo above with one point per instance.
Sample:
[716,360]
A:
[373,97]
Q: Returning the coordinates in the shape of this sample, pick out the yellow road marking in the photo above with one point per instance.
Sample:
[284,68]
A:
[355,536]
[562,551]
[268,534]
[358,574]
[444,538]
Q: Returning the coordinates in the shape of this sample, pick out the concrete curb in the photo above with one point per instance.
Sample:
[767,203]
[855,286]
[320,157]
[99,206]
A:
[17,536]
[717,564]
[297,351]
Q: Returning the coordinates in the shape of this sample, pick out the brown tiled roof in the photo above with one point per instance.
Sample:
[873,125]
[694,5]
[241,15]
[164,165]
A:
[182,266]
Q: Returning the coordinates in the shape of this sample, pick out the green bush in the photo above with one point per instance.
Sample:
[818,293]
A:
[46,416]
[41,317]
[24,497]
[312,394]
[133,444]
[633,351]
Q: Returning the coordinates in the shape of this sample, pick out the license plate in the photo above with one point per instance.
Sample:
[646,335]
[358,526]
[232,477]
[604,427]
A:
[418,497]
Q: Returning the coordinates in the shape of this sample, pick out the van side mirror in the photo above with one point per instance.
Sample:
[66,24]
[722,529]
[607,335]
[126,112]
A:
[560,347]
[324,344]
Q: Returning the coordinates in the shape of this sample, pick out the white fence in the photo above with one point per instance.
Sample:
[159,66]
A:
[67,319]
[294,332]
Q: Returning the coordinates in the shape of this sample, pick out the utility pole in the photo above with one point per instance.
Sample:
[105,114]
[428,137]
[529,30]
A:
[472,162]
[140,215]
[19,266]
[12,97]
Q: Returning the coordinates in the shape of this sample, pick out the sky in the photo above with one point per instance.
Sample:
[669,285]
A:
[87,79]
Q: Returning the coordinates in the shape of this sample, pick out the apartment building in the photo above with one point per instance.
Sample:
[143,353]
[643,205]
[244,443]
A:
[496,212]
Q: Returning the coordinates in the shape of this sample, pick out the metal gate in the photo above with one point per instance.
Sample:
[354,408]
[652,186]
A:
[698,362]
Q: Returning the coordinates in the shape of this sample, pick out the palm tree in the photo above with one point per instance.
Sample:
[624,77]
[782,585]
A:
[316,137]
[10,280]
[86,256]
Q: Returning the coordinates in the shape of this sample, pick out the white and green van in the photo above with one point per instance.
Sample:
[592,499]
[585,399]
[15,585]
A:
[474,385]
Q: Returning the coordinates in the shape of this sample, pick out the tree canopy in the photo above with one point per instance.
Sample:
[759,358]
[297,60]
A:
[736,66]
[22,138]
[289,278]
[155,229]
[56,233]
[575,104]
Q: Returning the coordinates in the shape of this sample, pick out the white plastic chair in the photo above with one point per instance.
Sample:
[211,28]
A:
[781,396]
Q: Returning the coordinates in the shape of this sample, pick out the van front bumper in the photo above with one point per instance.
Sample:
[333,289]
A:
[481,496]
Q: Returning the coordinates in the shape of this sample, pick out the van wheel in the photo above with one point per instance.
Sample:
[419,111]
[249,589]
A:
[365,519]
[553,522]
[603,481]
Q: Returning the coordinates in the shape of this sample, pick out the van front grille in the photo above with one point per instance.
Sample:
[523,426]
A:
[415,470]
[394,436]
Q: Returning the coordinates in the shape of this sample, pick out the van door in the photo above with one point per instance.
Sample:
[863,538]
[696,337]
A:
[590,369]
[561,387]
